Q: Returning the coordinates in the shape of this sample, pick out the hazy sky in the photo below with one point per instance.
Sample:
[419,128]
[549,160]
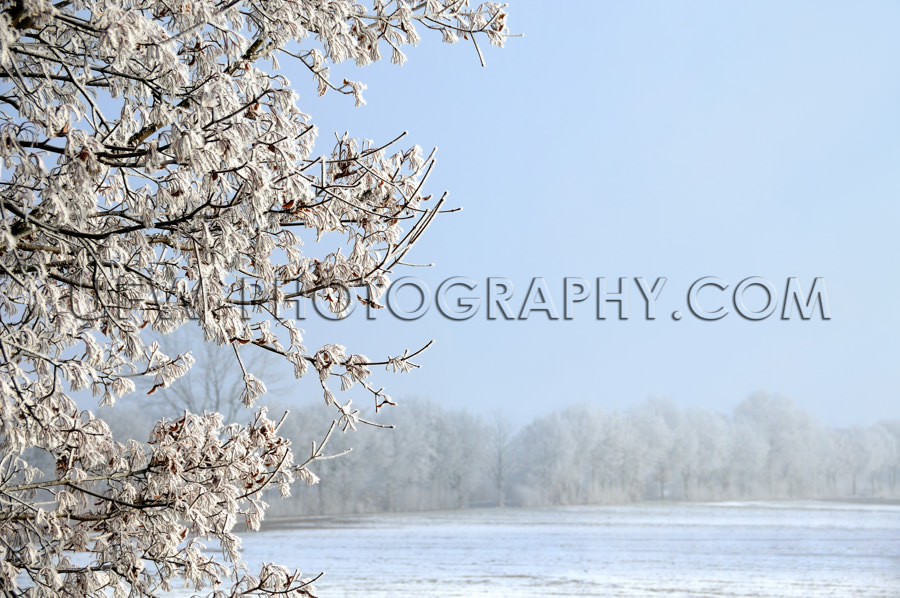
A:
[675,139]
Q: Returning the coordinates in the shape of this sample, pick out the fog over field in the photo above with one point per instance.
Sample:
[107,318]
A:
[441,458]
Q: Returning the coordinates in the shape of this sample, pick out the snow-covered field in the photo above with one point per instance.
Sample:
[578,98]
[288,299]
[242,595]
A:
[771,549]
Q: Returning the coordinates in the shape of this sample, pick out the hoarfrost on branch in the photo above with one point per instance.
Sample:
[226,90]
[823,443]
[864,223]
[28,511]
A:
[156,166]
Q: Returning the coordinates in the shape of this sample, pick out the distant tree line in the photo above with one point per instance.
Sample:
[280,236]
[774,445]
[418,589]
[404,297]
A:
[766,449]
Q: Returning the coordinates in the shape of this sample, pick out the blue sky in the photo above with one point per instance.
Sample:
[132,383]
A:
[655,139]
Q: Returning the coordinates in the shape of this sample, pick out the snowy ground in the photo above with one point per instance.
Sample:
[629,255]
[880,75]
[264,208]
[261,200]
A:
[777,550]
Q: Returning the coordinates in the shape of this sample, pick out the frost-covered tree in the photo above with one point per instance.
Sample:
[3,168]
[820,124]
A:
[213,382]
[501,456]
[156,169]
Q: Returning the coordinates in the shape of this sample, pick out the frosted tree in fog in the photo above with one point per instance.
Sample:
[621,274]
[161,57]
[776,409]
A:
[157,168]
[501,456]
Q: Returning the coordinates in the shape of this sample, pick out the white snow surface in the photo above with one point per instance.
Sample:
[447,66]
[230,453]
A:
[761,549]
